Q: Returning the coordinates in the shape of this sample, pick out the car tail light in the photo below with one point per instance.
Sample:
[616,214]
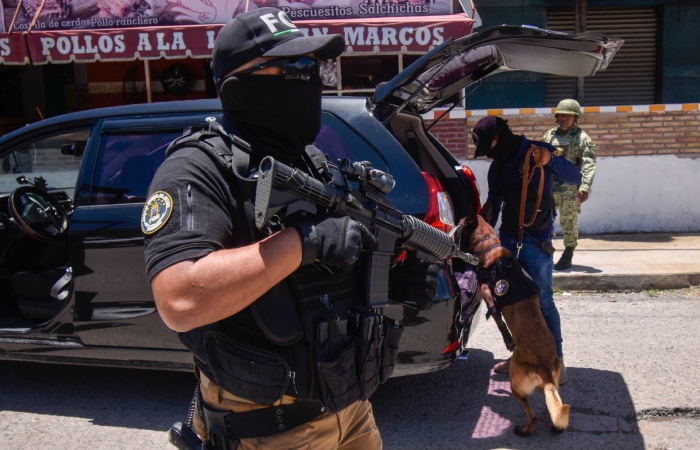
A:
[451,348]
[475,185]
[440,213]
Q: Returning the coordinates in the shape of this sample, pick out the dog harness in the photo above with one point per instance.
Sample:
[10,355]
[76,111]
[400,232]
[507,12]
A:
[508,281]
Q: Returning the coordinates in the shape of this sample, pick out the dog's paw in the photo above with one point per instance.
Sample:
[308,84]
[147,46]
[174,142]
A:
[556,430]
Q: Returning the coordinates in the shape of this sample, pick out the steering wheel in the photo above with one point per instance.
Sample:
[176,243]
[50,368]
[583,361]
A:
[38,214]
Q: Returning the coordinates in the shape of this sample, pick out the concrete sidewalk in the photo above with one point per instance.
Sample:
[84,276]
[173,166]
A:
[631,262]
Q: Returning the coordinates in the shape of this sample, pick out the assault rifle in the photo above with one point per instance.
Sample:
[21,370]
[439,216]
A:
[282,191]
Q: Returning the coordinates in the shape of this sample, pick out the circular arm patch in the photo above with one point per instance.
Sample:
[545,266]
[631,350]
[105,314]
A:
[156,212]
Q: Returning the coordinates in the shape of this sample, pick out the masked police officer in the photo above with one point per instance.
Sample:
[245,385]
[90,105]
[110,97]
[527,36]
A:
[493,138]
[267,317]
[576,146]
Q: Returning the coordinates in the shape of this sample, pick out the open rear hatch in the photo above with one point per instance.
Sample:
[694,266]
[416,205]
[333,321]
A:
[457,64]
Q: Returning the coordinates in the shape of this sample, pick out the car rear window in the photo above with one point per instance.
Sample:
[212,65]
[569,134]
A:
[339,141]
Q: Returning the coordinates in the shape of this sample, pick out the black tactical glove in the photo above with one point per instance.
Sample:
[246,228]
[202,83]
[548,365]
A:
[334,241]
[414,281]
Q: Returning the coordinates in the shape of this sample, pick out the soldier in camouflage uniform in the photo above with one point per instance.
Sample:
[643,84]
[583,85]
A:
[576,146]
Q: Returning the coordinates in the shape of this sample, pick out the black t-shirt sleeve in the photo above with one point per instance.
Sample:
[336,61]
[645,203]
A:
[189,212]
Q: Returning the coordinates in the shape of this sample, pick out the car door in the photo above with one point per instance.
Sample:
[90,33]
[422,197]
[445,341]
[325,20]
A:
[34,266]
[114,306]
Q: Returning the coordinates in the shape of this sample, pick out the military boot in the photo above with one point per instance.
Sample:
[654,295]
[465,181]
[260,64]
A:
[565,260]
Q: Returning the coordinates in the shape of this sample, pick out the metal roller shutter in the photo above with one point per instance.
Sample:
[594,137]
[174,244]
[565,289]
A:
[631,77]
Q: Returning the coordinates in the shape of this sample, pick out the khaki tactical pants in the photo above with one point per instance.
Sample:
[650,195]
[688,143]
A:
[567,205]
[353,428]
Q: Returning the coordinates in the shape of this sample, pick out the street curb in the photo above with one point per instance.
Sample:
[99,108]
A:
[594,282]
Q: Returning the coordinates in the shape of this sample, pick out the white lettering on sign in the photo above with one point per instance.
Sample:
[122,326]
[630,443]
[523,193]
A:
[210,39]
[405,40]
[105,44]
[162,45]
[88,45]
[354,36]
[77,49]
[178,41]
[372,36]
[81,45]
[63,45]
[144,43]
[437,34]
[389,36]
[4,47]
[317,32]
[119,43]
[47,44]
[423,36]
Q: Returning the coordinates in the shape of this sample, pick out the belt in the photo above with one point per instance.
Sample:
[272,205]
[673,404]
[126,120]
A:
[226,428]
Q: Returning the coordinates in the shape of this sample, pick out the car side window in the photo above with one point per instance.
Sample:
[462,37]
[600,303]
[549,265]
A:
[338,141]
[126,164]
[55,158]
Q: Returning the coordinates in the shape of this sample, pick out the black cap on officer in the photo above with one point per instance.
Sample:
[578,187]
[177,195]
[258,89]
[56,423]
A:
[484,131]
[267,32]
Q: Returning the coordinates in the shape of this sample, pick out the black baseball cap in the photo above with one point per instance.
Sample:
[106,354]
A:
[267,32]
[484,131]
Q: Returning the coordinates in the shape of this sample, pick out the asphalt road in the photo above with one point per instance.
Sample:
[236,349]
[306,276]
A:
[632,362]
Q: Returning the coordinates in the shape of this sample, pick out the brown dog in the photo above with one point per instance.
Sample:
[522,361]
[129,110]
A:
[534,363]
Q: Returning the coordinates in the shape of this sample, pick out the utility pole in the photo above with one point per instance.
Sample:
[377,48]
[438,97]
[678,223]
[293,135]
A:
[579,27]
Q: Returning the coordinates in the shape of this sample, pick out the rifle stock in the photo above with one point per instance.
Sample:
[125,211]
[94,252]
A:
[285,190]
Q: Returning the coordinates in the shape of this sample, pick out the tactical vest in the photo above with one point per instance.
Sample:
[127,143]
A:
[565,144]
[508,281]
[302,338]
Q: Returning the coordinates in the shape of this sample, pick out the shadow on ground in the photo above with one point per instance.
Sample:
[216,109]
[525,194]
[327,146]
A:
[575,268]
[464,406]
[468,406]
[639,237]
[141,399]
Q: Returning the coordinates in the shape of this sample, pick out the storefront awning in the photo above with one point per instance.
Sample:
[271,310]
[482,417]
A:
[13,50]
[376,35]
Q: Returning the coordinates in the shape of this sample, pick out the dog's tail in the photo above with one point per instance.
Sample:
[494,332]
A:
[558,411]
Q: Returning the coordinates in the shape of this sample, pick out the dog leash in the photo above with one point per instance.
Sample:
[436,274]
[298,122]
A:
[527,177]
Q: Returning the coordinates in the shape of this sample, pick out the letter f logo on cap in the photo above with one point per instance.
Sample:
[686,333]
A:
[270,21]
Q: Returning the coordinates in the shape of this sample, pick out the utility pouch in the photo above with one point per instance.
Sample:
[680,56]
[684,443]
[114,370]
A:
[547,247]
[250,373]
[544,245]
[336,365]
[368,352]
[393,331]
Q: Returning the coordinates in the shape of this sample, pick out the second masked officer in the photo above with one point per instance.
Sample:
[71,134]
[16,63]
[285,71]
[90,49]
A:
[274,321]
[493,138]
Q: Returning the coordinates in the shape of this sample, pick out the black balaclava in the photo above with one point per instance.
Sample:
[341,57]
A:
[277,116]
[507,146]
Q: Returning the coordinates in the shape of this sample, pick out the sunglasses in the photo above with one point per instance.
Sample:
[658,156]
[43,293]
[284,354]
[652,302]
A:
[292,69]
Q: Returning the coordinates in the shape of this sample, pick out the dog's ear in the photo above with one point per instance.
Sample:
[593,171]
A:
[469,224]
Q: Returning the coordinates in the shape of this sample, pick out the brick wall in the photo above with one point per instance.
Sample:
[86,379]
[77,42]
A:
[620,133]
[451,133]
